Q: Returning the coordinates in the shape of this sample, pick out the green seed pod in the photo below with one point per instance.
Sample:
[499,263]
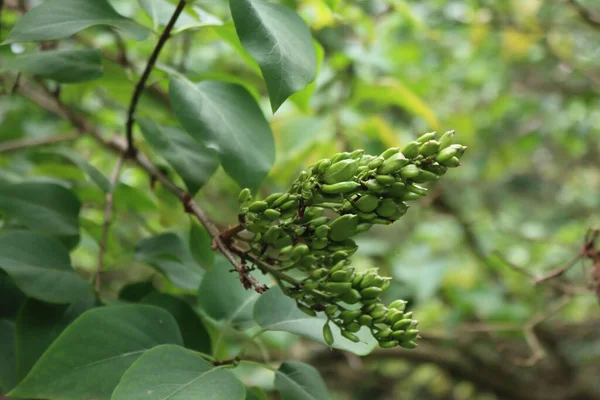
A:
[319,243]
[381,221]
[258,206]
[340,171]
[365,320]
[436,168]
[311,213]
[347,207]
[426,137]
[319,273]
[388,344]
[324,165]
[411,334]
[339,157]
[387,208]
[308,261]
[414,323]
[310,285]
[318,221]
[383,333]
[339,266]
[398,335]
[299,251]
[337,287]
[392,164]
[282,199]
[401,325]
[446,154]
[451,162]
[272,234]
[366,216]
[446,139]
[411,150]
[399,305]
[389,152]
[421,191]
[460,150]
[363,227]
[341,187]
[307,310]
[244,196]
[376,162]
[348,316]
[350,336]
[327,334]
[374,186]
[425,176]
[252,227]
[409,345]
[300,230]
[385,180]
[286,250]
[372,307]
[343,227]
[408,315]
[339,276]
[353,327]
[272,214]
[357,279]
[394,316]
[429,148]
[283,242]
[322,231]
[368,279]
[331,310]
[366,302]
[410,171]
[397,189]
[339,256]
[411,196]
[289,204]
[367,203]
[351,296]
[381,320]
[272,197]
[357,154]
[378,312]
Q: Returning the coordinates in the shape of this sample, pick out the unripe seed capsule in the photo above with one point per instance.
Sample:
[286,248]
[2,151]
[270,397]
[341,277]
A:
[343,227]
[408,314]
[376,162]
[446,154]
[282,199]
[289,204]
[339,255]
[244,196]
[331,310]
[348,316]
[365,320]
[392,164]
[272,214]
[319,273]
[283,242]
[409,345]
[411,334]
[367,203]
[378,313]
[357,154]
[429,148]
[350,336]
[399,305]
[398,335]
[299,251]
[364,227]
[426,137]
[310,285]
[341,187]
[389,152]
[319,243]
[258,206]
[327,334]
[339,157]
[395,316]
[410,171]
[357,279]
[421,191]
[381,221]
[387,208]
[339,276]
[311,213]
[401,325]
[411,150]
[366,216]
[351,296]
[337,287]
[286,250]
[272,197]
[322,231]
[446,139]
[385,180]
[451,162]
[388,344]
[374,186]
[271,235]
[397,189]
[383,333]
[324,165]
[353,327]
[307,310]
[340,171]
[318,221]
[367,280]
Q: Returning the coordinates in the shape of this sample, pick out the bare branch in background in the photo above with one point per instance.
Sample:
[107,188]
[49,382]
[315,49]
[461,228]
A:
[586,15]
[16,145]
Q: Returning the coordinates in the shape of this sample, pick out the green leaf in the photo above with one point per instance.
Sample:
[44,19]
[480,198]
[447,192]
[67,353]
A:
[300,381]
[40,266]
[170,255]
[96,176]
[8,366]
[88,359]
[225,117]
[192,161]
[38,325]
[192,328]
[56,19]
[172,372]
[45,207]
[192,17]
[200,246]
[65,66]
[229,35]
[11,297]
[281,44]
[223,297]
[254,393]
[277,312]
[302,98]
[135,292]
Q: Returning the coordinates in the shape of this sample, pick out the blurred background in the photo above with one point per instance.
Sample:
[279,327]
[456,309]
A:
[498,262]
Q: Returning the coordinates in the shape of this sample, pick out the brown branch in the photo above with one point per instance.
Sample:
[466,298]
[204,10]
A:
[559,271]
[146,74]
[15,145]
[108,208]
[585,14]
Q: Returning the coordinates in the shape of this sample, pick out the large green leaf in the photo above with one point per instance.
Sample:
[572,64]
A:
[169,254]
[65,66]
[280,42]
[88,359]
[223,298]
[45,207]
[229,35]
[174,373]
[8,363]
[276,311]
[192,161]
[300,381]
[192,328]
[200,245]
[11,297]
[192,16]
[96,176]
[225,117]
[38,325]
[56,19]
[302,98]
[40,266]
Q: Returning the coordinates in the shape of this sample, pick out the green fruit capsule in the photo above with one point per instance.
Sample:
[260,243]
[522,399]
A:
[283,242]
[350,336]
[398,189]
[388,344]
[389,152]
[281,200]
[272,234]
[308,261]
[383,333]
[299,251]
[339,157]
[310,285]
[398,335]
[394,316]
[367,203]
[337,287]
[319,273]
[272,197]
[367,279]
[289,205]
[411,334]
[311,213]
[348,316]
[339,256]
[451,162]
[357,154]
[426,137]
[374,186]
[411,150]
[343,227]
[353,327]
[341,187]
[385,180]
[352,296]
[425,176]
[286,250]
[409,345]
[357,279]
[408,315]
[420,190]
[272,214]
[307,310]
[429,148]
[324,165]
[446,139]
[244,196]
[437,169]
[327,334]
[392,164]
[446,154]
[365,320]
[258,206]
[387,208]
[339,276]
[381,221]
[366,216]
[411,196]
[401,325]
[378,312]
[319,243]
[410,171]
[318,221]
[380,320]
[364,227]
[376,162]
[322,231]
[399,305]
[341,171]
[331,310]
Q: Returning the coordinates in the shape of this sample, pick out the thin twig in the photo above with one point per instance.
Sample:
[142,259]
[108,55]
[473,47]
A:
[585,14]
[559,271]
[108,208]
[15,145]
[139,88]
